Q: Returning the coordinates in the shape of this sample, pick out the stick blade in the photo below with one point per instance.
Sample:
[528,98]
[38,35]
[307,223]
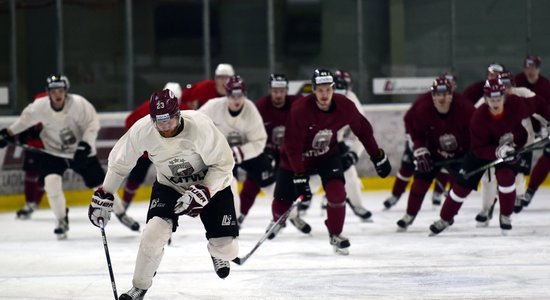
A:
[237,260]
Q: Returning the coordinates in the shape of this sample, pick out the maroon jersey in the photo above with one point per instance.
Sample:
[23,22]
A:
[201,92]
[310,135]
[474,92]
[487,132]
[274,120]
[409,117]
[541,87]
[446,136]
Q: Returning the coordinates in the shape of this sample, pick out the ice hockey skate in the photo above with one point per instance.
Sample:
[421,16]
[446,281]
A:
[300,224]
[438,226]
[275,230]
[133,294]
[436,199]
[361,212]
[62,228]
[340,244]
[25,213]
[221,267]
[505,224]
[391,201]
[404,222]
[128,221]
[483,218]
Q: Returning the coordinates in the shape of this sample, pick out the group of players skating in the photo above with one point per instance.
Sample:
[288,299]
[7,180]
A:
[202,138]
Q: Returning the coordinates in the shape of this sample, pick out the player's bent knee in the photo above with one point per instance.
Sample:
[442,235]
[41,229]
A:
[53,185]
[226,247]
[157,232]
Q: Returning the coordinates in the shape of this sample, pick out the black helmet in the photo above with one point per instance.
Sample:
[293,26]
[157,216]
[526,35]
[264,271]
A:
[57,81]
[278,81]
[321,76]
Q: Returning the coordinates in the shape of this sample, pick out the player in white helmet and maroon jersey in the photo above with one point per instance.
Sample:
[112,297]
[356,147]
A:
[310,147]
[194,164]
[70,127]
[496,132]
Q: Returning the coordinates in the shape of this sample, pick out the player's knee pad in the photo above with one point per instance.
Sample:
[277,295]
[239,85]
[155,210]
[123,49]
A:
[53,185]
[156,234]
[226,247]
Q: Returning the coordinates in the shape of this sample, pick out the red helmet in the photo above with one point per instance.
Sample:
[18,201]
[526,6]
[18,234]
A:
[235,86]
[345,74]
[163,105]
[493,88]
[442,85]
[507,78]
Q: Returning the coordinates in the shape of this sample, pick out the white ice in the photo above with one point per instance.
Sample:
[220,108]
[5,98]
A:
[463,262]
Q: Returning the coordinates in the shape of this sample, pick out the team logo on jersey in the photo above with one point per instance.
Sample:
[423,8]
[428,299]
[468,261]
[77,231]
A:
[180,167]
[67,137]
[320,143]
[507,138]
[448,143]
[234,138]
[277,135]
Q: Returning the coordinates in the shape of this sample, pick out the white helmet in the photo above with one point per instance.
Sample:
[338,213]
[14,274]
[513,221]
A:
[174,87]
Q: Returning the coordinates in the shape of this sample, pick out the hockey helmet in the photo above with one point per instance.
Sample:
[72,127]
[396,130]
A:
[321,76]
[493,88]
[441,85]
[57,81]
[278,81]
[235,86]
[163,105]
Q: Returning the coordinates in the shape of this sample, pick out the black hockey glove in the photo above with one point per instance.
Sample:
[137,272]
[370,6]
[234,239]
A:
[5,138]
[81,155]
[192,201]
[381,163]
[423,160]
[348,159]
[301,187]
[31,133]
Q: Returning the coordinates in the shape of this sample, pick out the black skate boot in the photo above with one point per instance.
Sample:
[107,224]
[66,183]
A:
[340,244]
[62,228]
[221,267]
[300,224]
[439,226]
[505,224]
[128,221]
[25,213]
[275,230]
[404,222]
[361,212]
[391,201]
[133,294]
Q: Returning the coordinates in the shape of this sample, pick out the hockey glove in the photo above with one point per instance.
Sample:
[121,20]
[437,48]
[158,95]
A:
[506,153]
[192,201]
[237,155]
[301,187]
[5,138]
[81,155]
[101,207]
[349,159]
[423,160]
[381,163]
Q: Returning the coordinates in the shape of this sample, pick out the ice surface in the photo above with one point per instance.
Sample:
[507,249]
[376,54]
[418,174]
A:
[463,262]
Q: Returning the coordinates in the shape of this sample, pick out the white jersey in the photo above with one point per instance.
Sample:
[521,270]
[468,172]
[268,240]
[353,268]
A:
[345,134]
[64,129]
[246,130]
[198,154]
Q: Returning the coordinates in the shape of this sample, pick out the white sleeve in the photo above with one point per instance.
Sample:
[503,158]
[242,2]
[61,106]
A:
[122,159]
[89,121]
[479,102]
[523,92]
[216,154]
[25,120]
[256,135]
[348,136]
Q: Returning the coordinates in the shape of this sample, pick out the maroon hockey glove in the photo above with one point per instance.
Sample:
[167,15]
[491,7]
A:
[101,207]
[381,164]
[423,160]
[192,201]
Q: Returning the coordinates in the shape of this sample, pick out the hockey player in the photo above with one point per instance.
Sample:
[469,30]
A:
[202,91]
[273,109]
[139,172]
[496,132]
[350,150]
[239,120]
[406,170]
[540,85]
[70,127]
[194,164]
[440,137]
[310,147]
[475,91]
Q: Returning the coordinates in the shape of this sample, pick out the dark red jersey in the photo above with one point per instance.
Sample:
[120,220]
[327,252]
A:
[274,120]
[541,87]
[201,92]
[446,136]
[487,132]
[310,135]
[474,92]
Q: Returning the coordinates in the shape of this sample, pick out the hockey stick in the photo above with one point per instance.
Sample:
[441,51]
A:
[532,147]
[28,148]
[241,260]
[113,284]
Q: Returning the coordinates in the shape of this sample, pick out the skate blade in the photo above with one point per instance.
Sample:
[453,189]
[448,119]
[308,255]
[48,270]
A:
[367,220]
[505,232]
[401,229]
[341,251]
[482,224]
[23,217]
[61,236]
